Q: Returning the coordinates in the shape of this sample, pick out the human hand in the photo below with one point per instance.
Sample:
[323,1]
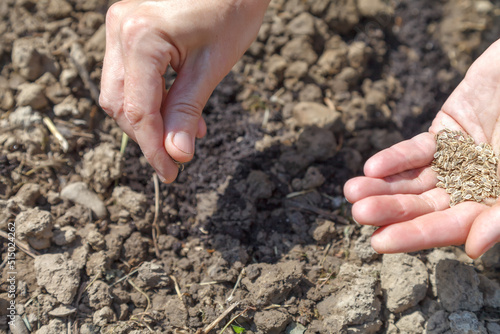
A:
[398,192]
[200,39]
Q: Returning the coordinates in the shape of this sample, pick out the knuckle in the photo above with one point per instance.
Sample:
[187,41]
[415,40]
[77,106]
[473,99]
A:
[134,114]
[189,110]
[114,13]
[133,28]
[107,106]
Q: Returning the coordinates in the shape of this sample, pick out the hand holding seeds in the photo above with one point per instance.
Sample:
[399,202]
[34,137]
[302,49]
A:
[398,192]
[200,40]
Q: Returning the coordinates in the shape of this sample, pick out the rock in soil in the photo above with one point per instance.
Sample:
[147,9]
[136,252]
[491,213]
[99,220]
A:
[79,192]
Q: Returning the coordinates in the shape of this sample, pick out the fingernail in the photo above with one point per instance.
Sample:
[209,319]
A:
[183,142]
[161,178]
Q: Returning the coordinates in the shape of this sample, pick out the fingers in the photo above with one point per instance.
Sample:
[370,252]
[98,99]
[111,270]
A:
[183,107]
[384,210]
[409,154]
[437,229]
[147,57]
[414,181]
[484,233]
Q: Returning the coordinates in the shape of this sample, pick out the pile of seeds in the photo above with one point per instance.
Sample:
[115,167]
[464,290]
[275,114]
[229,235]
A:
[467,171]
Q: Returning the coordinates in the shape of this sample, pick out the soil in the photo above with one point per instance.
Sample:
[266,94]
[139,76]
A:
[257,224]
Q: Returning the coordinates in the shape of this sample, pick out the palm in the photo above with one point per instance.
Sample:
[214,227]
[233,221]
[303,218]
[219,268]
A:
[399,190]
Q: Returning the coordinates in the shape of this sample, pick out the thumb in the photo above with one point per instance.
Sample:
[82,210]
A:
[182,110]
[484,233]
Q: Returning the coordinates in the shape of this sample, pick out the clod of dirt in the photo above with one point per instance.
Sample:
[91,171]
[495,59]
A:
[98,295]
[152,275]
[323,231]
[259,186]
[54,326]
[64,236]
[491,292]
[312,179]
[25,117]
[78,192]
[135,248]
[31,94]
[274,283]
[315,114]
[272,321]
[68,107]
[29,59]
[104,316]
[133,202]
[35,226]
[438,323]
[97,263]
[362,246]
[404,279]
[464,322]
[316,144]
[354,300]
[58,275]
[28,194]
[412,323]
[96,240]
[457,286]
[176,314]
[101,166]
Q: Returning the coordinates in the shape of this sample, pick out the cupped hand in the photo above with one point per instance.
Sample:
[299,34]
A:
[200,39]
[398,192]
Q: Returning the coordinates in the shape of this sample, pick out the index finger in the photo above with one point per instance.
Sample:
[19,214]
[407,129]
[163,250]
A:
[409,154]
[146,58]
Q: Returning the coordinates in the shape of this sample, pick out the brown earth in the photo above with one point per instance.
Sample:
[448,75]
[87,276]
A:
[257,223]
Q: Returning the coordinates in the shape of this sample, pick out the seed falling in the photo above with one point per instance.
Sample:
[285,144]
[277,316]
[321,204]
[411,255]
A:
[468,172]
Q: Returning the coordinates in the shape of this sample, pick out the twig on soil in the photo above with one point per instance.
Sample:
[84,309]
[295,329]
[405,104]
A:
[143,293]
[219,319]
[177,288]
[324,254]
[21,245]
[313,209]
[240,276]
[236,317]
[125,277]
[326,280]
[275,306]
[156,228]
[52,128]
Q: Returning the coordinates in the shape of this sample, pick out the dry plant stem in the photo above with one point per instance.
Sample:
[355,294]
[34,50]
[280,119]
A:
[156,228]
[236,317]
[52,128]
[21,245]
[219,319]
[240,276]
[177,288]
[125,277]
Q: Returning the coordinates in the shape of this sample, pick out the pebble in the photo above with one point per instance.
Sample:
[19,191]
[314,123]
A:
[465,322]
[78,192]
[35,226]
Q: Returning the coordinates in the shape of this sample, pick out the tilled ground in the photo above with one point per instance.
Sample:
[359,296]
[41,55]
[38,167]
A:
[256,224]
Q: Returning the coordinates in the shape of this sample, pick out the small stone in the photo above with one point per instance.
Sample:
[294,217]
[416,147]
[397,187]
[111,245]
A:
[404,279]
[313,178]
[78,192]
[465,322]
[96,240]
[375,9]
[35,226]
[491,292]
[58,275]
[64,236]
[299,48]
[62,311]
[89,329]
[104,316]
[31,94]
[297,70]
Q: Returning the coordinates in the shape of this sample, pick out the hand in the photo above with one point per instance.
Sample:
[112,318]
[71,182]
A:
[200,39]
[399,191]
